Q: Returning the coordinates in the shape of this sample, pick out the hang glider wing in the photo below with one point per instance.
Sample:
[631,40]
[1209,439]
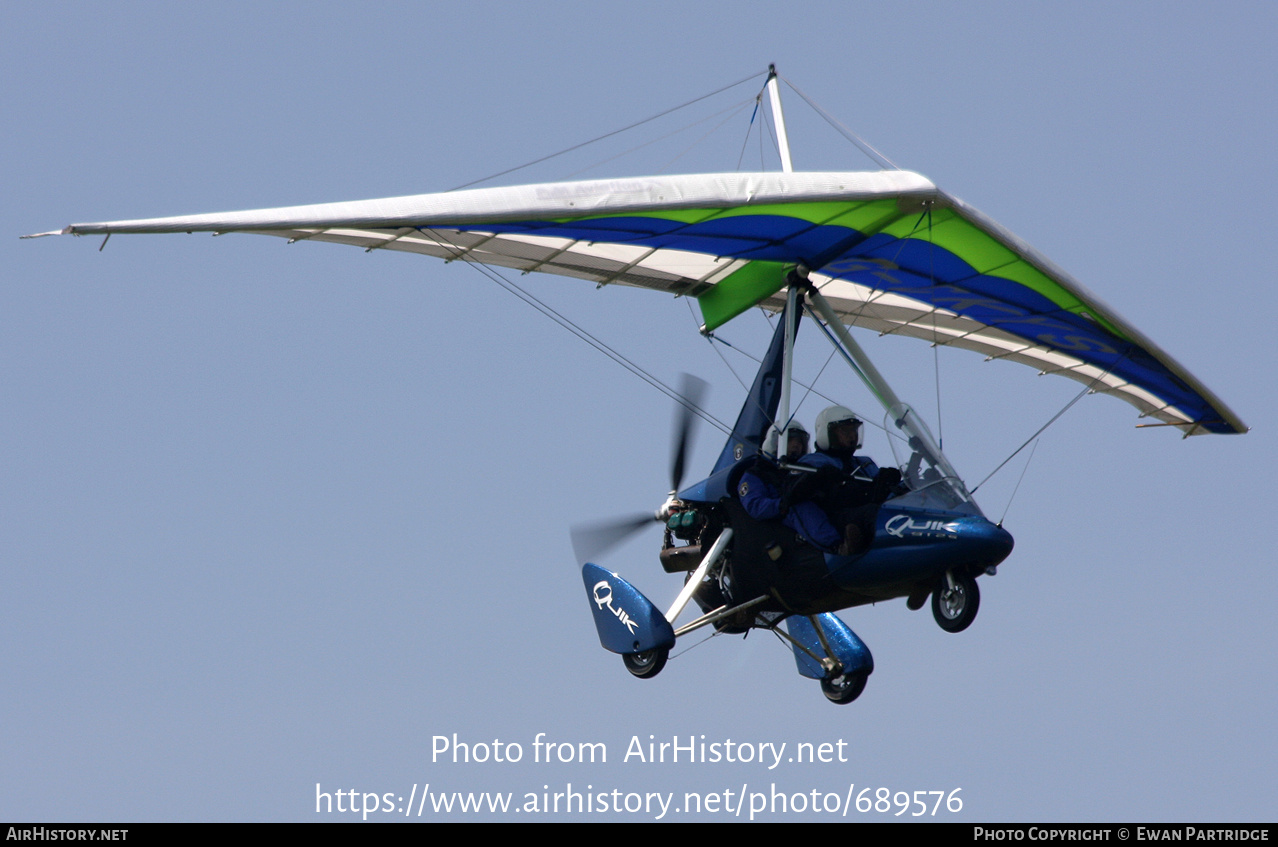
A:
[889,250]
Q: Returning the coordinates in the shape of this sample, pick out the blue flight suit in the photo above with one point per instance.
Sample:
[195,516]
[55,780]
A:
[762,500]
[852,464]
[853,495]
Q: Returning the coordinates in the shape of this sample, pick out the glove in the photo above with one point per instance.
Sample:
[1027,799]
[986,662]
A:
[806,486]
[887,477]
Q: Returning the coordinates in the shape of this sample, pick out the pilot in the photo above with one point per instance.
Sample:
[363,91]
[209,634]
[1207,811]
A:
[767,493]
[849,487]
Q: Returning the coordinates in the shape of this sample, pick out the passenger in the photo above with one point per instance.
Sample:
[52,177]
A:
[796,442]
[766,493]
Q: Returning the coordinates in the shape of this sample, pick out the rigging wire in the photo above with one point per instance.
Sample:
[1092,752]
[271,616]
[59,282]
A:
[936,347]
[772,133]
[713,634]
[851,136]
[810,386]
[936,370]
[856,369]
[1086,389]
[495,276]
[1007,508]
[710,340]
[735,109]
[605,135]
[758,100]
[815,379]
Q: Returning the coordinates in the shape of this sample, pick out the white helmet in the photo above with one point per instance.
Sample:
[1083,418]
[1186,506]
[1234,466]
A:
[795,426]
[794,430]
[831,417]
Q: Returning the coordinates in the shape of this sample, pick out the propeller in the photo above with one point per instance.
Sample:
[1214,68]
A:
[692,391]
[592,540]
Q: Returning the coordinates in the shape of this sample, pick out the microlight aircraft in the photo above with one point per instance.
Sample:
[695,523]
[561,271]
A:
[883,250]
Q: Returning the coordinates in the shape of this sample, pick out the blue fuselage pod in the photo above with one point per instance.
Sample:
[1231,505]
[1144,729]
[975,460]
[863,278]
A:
[626,620]
[912,545]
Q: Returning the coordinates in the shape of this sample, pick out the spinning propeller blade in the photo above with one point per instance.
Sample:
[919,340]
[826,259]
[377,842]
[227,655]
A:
[692,390]
[592,540]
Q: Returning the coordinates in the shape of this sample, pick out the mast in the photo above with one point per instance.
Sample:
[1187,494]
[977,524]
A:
[783,141]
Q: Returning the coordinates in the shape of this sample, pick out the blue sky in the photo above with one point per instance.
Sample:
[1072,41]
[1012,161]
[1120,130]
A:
[279,515]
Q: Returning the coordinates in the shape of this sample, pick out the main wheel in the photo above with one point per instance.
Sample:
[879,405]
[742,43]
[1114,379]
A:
[955,608]
[648,663]
[843,689]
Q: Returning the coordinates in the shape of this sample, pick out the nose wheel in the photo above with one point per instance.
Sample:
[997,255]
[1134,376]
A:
[955,601]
